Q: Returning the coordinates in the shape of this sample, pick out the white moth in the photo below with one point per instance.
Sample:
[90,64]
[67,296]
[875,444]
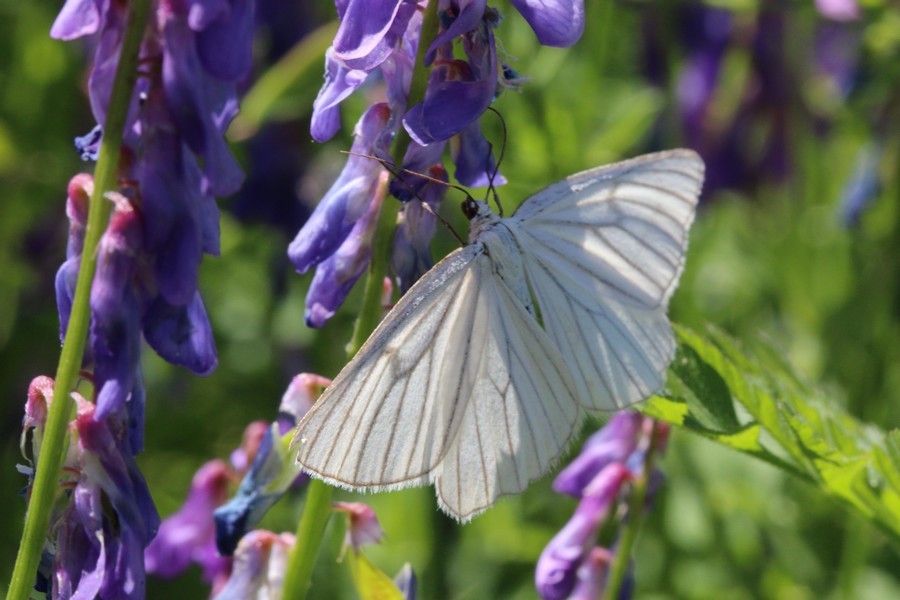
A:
[479,376]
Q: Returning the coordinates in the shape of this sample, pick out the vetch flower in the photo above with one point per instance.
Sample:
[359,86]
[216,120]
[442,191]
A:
[188,536]
[382,38]
[116,314]
[272,471]
[102,533]
[555,575]
[362,525]
[336,274]
[259,564]
[572,565]
[614,443]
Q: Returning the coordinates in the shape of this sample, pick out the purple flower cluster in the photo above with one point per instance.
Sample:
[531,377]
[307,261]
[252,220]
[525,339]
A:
[380,39]
[573,565]
[98,537]
[744,131]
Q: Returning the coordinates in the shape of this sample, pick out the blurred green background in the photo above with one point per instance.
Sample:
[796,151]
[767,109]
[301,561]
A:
[772,255]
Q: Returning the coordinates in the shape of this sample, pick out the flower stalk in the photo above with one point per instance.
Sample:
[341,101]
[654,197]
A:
[636,501]
[318,496]
[54,443]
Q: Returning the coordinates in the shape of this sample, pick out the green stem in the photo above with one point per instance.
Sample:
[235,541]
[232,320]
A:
[316,511]
[636,501]
[46,480]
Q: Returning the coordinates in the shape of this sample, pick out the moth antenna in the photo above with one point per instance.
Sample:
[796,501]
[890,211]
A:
[395,172]
[492,190]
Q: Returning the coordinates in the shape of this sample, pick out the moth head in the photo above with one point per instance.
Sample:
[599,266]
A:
[473,208]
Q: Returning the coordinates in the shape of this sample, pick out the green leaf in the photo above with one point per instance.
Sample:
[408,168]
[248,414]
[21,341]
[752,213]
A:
[748,397]
[371,582]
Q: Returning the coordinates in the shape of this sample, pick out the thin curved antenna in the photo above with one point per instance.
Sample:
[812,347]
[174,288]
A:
[492,190]
[396,172]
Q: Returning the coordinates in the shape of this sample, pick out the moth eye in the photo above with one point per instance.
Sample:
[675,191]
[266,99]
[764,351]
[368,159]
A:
[469,208]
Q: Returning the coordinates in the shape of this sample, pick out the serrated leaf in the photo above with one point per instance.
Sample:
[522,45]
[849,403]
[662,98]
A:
[747,397]
[695,380]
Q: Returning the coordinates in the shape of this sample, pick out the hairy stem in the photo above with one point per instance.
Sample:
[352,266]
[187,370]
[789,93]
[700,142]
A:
[46,480]
[312,523]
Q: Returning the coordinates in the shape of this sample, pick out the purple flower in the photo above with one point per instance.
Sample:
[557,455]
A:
[188,536]
[348,199]
[340,82]
[336,275]
[103,531]
[555,22]
[458,91]
[555,575]
[272,471]
[614,443]
[115,324]
[382,37]
[362,525]
[263,485]
[78,196]
[259,566]
[182,335]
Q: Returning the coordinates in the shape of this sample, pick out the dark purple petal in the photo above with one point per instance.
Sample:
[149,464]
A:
[466,15]
[201,107]
[369,31]
[474,158]
[347,200]
[614,443]
[555,574]
[182,335]
[76,19]
[189,534]
[169,183]
[209,225]
[555,22]
[225,45]
[458,92]
[340,82]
